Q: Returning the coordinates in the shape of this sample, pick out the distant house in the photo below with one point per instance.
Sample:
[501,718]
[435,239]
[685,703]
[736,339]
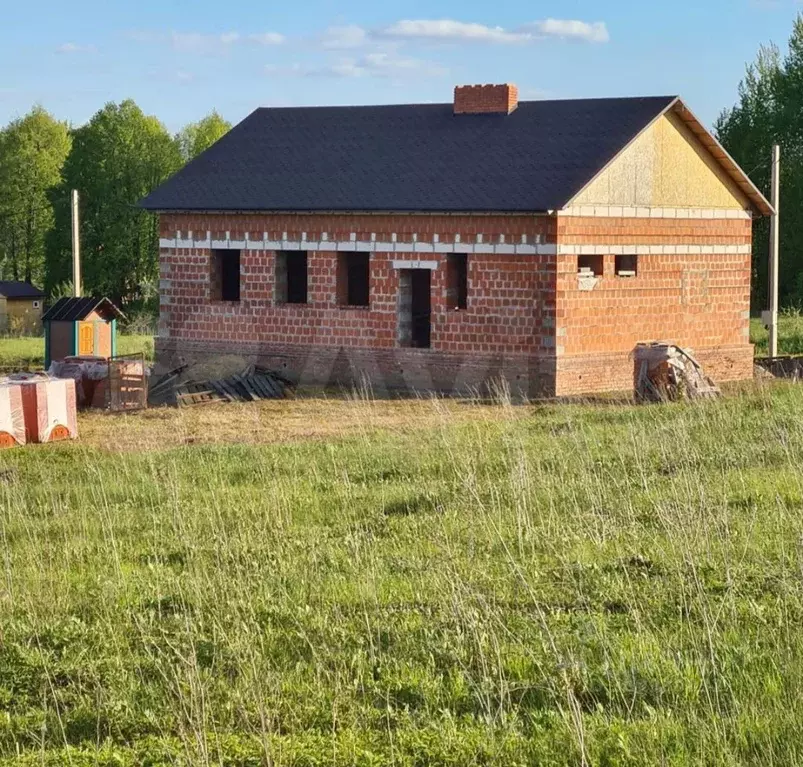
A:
[445,246]
[20,307]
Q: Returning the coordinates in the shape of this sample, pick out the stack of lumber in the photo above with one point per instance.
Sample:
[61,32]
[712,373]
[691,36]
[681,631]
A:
[251,385]
[665,372]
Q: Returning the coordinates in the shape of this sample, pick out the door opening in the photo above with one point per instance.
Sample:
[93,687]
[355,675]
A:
[415,308]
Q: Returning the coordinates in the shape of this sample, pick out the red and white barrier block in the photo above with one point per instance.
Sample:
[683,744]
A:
[12,417]
[49,408]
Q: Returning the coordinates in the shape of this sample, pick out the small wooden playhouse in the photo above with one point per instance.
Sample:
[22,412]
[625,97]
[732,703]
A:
[80,327]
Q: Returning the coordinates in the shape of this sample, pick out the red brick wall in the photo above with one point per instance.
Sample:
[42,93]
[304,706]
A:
[341,226]
[526,318]
[510,305]
[698,301]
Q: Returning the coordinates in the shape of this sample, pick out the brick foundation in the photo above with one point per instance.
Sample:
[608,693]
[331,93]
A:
[384,371]
[415,371]
[590,373]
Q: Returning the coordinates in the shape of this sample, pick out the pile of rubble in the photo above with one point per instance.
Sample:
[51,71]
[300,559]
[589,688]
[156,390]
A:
[116,383]
[665,372]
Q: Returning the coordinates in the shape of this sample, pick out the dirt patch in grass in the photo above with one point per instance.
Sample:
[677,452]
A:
[274,422]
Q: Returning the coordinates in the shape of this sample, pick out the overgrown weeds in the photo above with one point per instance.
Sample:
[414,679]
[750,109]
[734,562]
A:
[546,585]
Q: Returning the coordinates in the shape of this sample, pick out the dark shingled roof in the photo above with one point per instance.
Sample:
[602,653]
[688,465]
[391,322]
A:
[14,289]
[409,158]
[75,309]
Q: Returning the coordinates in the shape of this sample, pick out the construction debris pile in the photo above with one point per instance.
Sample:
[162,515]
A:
[183,386]
[786,366]
[91,376]
[664,372]
[116,383]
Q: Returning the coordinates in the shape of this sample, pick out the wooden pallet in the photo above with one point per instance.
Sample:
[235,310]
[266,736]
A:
[250,386]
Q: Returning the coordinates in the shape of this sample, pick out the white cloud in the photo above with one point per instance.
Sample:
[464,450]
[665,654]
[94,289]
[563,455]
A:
[196,42]
[378,65]
[287,70]
[267,38]
[200,42]
[449,30]
[347,36]
[568,29]
[76,48]
[389,65]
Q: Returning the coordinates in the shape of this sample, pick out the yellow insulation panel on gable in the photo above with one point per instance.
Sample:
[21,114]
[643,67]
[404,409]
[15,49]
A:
[665,167]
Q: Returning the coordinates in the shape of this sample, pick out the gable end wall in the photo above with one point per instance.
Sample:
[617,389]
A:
[666,166]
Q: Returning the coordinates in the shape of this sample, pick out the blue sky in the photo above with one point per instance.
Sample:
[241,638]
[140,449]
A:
[179,60]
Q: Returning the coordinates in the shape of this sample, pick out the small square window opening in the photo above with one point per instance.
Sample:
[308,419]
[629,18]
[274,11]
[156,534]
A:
[589,266]
[626,266]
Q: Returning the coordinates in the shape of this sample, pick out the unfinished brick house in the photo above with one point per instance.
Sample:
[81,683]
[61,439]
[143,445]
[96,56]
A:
[444,246]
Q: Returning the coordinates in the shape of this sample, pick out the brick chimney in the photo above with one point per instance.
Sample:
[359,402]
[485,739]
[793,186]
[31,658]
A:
[485,99]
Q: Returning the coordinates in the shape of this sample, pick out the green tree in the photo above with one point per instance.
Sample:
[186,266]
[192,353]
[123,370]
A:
[747,131]
[116,159]
[32,154]
[770,110]
[789,133]
[199,136]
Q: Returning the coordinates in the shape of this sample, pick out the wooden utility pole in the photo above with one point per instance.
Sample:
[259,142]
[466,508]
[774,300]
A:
[775,201]
[76,246]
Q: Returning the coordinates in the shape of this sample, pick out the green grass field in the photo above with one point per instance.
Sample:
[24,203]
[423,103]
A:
[347,582]
[28,353]
[433,584]
[790,335]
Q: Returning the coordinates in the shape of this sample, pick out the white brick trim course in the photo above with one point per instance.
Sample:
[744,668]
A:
[629,211]
[653,250]
[443,247]
[394,246]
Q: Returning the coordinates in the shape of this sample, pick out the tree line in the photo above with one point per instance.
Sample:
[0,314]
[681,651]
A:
[769,111]
[114,160]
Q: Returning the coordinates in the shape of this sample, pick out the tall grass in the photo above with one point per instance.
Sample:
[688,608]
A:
[28,352]
[598,585]
[790,334]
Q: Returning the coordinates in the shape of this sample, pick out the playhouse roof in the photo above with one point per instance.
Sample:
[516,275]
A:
[76,309]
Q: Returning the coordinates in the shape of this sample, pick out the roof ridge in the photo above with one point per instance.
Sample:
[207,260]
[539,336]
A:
[568,99]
